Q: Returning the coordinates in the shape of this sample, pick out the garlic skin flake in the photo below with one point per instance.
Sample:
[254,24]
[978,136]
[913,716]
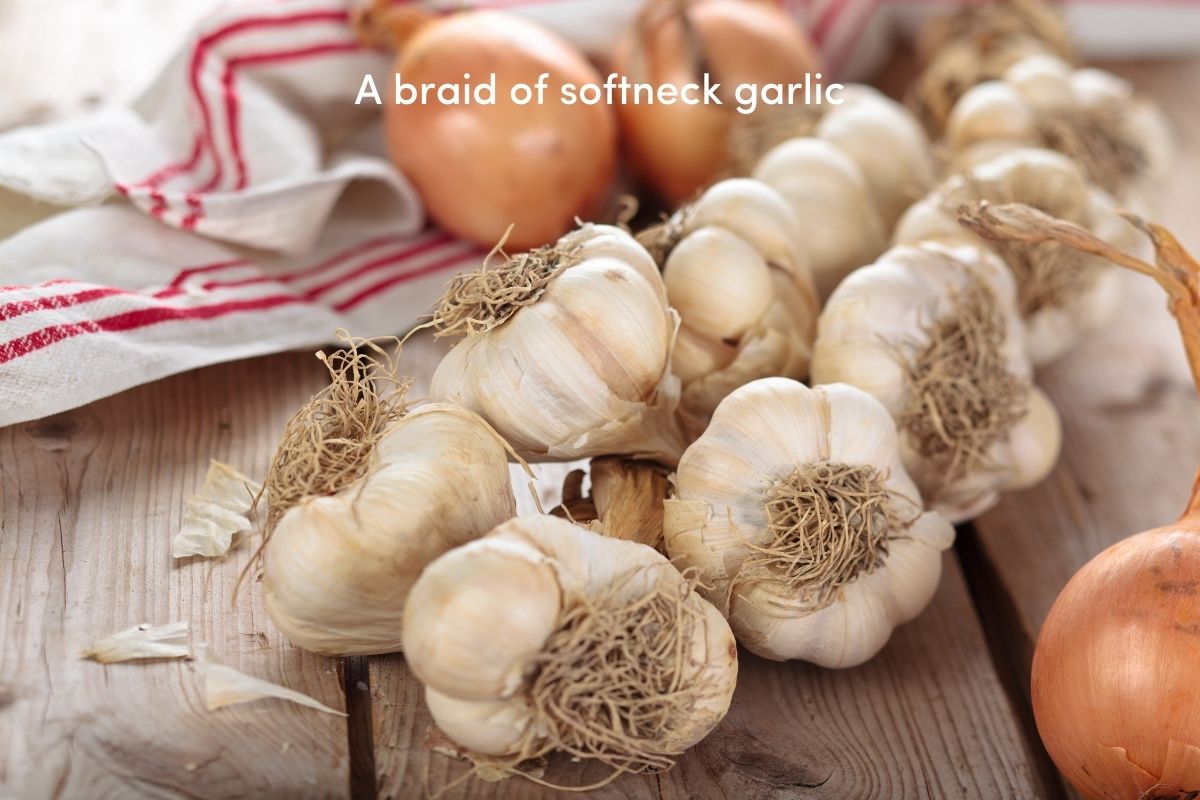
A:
[874,331]
[485,622]
[1061,294]
[583,366]
[1121,141]
[215,513]
[774,434]
[338,568]
[141,641]
[735,269]
[226,686]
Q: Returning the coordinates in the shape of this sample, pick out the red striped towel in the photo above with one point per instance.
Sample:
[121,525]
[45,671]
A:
[241,232]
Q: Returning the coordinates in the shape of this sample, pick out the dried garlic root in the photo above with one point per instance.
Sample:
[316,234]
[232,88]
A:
[805,528]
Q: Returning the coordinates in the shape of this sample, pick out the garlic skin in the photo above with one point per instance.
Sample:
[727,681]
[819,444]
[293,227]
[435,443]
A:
[739,278]
[879,316]
[583,370]
[479,616]
[760,434]
[1040,93]
[1052,182]
[338,568]
[841,224]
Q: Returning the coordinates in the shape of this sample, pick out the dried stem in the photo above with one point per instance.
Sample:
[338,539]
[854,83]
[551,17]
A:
[1174,269]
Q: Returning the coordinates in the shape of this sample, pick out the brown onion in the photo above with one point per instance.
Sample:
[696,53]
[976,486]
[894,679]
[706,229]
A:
[480,168]
[678,148]
[1116,671]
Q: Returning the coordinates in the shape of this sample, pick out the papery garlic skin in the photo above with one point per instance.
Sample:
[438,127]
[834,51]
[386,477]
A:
[474,652]
[739,278]
[841,224]
[760,434]
[586,369]
[1000,115]
[1046,180]
[338,568]
[878,316]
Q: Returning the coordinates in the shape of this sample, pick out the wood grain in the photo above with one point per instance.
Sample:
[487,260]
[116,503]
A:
[90,502]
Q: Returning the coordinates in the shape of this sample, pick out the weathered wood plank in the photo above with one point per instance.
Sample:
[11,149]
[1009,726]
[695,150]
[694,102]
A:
[90,502]
[926,719]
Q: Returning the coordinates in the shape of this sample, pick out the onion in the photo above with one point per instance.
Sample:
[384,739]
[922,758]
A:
[480,168]
[1116,671]
[678,148]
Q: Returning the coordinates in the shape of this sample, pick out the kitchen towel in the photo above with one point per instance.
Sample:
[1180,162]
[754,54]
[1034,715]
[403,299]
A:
[244,205]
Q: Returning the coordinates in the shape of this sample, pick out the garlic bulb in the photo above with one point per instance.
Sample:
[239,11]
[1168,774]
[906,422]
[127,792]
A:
[338,567]
[1092,116]
[545,636]
[840,221]
[362,493]
[880,135]
[805,528]
[735,269]
[932,332]
[567,349]
[976,44]
[1061,294]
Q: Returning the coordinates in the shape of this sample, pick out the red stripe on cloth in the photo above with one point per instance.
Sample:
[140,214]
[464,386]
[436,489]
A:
[254,59]
[204,139]
[18,307]
[188,272]
[332,261]
[143,317]
[435,266]
[371,266]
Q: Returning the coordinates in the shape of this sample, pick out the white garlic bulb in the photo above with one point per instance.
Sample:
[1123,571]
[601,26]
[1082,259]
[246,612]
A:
[546,636]
[338,567]
[841,224]
[1120,140]
[806,529]
[567,350]
[933,333]
[1061,294]
[735,269]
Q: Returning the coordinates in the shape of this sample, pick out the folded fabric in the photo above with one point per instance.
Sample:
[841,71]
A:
[244,204]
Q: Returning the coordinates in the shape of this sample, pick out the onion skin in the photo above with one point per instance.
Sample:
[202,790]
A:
[480,168]
[679,149]
[1118,665]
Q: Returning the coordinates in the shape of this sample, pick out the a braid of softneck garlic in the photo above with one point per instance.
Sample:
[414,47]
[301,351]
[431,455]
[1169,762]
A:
[544,636]
[566,350]
[362,493]
[1061,294]
[933,333]
[847,170]
[735,269]
[1120,140]
[805,528]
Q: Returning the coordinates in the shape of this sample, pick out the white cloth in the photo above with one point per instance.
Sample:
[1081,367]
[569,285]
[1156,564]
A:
[259,211]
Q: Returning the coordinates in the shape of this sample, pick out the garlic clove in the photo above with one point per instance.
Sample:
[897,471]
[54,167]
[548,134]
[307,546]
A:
[696,356]
[1042,81]
[718,282]
[759,215]
[455,641]
[991,111]
[842,226]
[1034,445]
[888,144]
[491,727]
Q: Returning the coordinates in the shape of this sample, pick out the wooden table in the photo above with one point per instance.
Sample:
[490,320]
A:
[90,499]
